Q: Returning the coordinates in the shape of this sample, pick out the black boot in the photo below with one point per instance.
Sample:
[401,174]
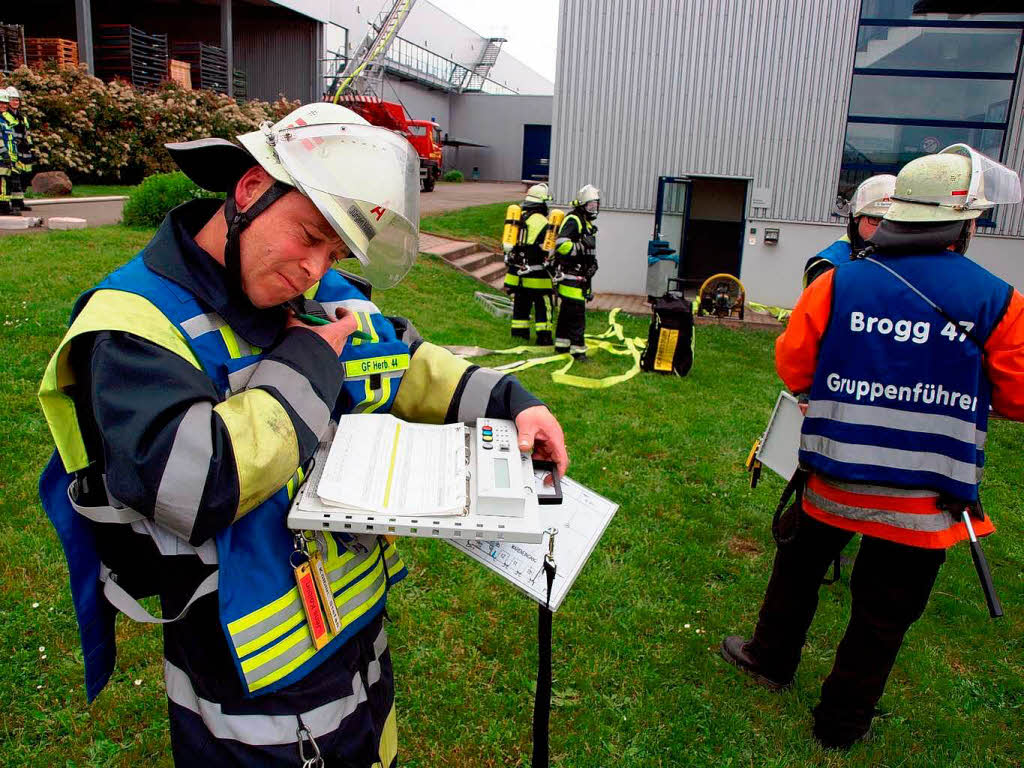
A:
[19,205]
[544,339]
[734,651]
[5,209]
[579,357]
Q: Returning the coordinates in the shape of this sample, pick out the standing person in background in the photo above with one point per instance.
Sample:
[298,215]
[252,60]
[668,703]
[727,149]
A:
[892,443]
[22,147]
[528,278]
[868,205]
[7,161]
[576,264]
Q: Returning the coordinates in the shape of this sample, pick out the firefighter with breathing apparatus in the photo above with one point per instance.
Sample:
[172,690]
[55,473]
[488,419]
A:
[575,265]
[23,158]
[525,241]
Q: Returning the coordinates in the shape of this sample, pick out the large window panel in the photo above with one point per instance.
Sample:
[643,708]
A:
[980,49]
[930,98]
[870,145]
[904,9]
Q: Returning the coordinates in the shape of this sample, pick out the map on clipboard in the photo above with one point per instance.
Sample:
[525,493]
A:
[580,521]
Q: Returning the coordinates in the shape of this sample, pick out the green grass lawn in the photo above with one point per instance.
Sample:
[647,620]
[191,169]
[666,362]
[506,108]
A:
[481,223]
[92,190]
[634,685]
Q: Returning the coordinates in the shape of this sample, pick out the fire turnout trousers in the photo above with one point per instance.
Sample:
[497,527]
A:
[889,587]
[14,188]
[353,725]
[537,300]
[572,320]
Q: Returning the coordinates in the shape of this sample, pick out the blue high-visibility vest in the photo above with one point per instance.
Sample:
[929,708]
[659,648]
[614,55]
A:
[260,614]
[900,397]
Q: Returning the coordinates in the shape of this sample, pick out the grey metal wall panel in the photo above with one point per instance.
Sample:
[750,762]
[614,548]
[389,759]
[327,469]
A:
[752,88]
[279,56]
[497,121]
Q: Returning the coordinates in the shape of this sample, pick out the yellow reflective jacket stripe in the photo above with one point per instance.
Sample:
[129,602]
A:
[429,385]
[570,292]
[106,310]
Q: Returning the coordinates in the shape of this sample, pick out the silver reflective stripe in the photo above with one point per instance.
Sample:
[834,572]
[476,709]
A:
[104,514]
[883,490]
[296,389]
[306,642]
[169,545]
[894,418]
[131,607]
[577,349]
[276,730]
[892,458]
[200,324]
[184,477]
[357,561]
[477,393]
[245,349]
[239,380]
[388,375]
[352,305]
[930,522]
[391,562]
[250,634]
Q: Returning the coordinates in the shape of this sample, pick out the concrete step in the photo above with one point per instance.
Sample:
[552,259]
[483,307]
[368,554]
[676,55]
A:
[477,259]
[489,272]
[453,249]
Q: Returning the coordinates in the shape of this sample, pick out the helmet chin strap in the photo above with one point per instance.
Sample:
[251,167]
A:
[238,221]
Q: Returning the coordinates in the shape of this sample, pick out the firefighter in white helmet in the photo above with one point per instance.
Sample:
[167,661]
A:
[23,159]
[901,352]
[870,202]
[576,264]
[528,279]
[186,402]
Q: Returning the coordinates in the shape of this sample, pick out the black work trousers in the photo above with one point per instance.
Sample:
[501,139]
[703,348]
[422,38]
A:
[537,300]
[572,325]
[889,587]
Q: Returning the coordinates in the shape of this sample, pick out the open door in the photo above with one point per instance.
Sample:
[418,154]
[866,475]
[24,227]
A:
[667,247]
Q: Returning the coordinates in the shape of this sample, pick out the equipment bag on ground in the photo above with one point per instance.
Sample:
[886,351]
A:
[670,336]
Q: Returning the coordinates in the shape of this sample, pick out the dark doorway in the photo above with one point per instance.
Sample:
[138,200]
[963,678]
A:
[536,152]
[713,232]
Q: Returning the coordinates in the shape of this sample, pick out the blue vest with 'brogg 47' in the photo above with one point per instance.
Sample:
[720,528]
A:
[900,397]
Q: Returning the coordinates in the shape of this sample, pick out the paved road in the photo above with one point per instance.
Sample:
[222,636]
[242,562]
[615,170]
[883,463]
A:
[451,197]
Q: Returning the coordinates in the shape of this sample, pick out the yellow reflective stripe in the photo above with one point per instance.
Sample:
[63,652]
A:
[429,385]
[511,279]
[372,365]
[302,634]
[540,283]
[364,322]
[254,618]
[357,342]
[106,310]
[520,323]
[570,291]
[371,329]
[264,444]
[230,341]
[385,393]
[310,293]
[388,746]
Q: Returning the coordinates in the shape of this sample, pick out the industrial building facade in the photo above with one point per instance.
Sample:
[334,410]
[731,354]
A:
[498,117]
[773,110]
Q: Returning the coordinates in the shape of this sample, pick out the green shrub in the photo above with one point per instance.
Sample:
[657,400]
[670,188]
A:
[453,175]
[149,202]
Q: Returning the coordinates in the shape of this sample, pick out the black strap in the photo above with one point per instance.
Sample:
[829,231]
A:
[794,486]
[542,702]
[238,221]
[949,318]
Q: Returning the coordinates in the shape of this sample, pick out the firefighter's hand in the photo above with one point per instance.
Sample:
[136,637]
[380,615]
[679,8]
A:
[540,431]
[336,334]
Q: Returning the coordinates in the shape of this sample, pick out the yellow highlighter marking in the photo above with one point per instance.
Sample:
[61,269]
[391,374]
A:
[391,467]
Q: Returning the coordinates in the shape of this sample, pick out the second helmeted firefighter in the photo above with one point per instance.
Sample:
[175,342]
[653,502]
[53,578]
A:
[575,266]
[528,278]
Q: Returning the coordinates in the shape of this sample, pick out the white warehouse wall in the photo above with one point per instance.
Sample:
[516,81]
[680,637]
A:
[497,121]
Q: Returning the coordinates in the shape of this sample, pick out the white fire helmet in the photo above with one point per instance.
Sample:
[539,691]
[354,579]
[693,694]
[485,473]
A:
[873,197]
[538,193]
[589,199]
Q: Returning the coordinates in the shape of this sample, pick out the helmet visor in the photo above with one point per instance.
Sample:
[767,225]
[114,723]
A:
[365,181]
[992,183]
[592,207]
[873,197]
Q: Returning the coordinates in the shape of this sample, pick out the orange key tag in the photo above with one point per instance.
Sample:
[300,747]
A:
[311,604]
[323,587]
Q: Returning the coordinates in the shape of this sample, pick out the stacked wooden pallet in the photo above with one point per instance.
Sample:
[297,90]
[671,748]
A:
[180,72]
[41,50]
[209,64]
[241,91]
[12,47]
[128,53]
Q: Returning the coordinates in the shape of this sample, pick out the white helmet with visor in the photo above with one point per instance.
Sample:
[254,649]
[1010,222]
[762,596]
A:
[362,178]
[589,199]
[873,197]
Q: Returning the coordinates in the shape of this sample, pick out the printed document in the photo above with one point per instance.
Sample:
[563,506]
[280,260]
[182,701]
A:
[380,464]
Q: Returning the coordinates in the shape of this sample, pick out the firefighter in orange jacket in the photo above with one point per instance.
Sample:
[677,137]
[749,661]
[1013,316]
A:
[894,430]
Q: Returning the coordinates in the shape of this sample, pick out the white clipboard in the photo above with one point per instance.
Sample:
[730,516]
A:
[780,444]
